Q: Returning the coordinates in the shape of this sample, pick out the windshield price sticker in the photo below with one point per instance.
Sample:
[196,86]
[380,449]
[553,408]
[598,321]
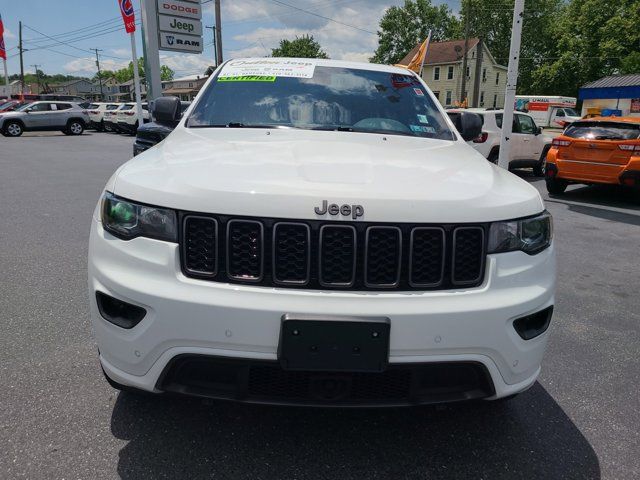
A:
[268,68]
[247,78]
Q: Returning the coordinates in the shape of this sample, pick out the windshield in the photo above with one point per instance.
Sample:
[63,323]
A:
[603,131]
[127,106]
[570,112]
[341,99]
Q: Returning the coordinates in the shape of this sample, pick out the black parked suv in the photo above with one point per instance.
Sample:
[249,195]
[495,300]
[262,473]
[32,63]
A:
[155,131]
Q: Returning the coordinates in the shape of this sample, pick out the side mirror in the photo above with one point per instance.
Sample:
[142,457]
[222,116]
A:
[166,110]
[538,130]
[468,124]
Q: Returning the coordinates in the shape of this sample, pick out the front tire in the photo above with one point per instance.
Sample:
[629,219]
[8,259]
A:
[494,155]
[13,129]
[556,186]
[540,169]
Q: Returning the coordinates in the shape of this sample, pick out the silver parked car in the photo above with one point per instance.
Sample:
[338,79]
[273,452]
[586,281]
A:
[67,117]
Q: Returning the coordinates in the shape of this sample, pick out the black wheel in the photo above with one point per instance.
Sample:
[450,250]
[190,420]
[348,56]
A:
[556,186]
[75,127]
[13,129]
[540,169]
[493,156]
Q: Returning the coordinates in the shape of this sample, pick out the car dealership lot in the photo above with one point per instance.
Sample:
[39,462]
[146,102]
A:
[60,419]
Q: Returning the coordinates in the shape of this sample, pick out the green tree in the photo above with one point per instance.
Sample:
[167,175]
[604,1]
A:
[402,28]
[301,47]
[492,22]
[592,39]
[166,73]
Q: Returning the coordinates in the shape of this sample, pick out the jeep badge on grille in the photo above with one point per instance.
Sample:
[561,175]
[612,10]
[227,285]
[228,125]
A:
[334,209]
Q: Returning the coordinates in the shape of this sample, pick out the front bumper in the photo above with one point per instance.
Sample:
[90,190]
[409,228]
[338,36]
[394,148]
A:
[192,317]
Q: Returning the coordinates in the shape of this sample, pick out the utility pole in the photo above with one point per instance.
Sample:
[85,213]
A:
[99,75]
[215,51]
[512,81]
[466,50]
[21,62]
[218,33]
[478,72]
[37,76]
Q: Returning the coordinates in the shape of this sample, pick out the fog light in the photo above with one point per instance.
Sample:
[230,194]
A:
[533,325]
[119,313]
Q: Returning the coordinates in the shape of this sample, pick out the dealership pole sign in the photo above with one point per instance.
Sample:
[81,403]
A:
[128,15]
[180,25]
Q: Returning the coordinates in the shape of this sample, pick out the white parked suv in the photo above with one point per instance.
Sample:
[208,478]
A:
[96,114]
[126,117]
[529,146]
[317,232]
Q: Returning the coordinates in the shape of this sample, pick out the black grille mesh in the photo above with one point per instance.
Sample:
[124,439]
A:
[427,256]
[200,255]
[245,249]
[291,253]
[468,259]
[337,255]
[315,254]
[383,256]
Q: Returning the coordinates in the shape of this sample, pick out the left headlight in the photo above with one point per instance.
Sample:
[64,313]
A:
[126,219]
[530,235]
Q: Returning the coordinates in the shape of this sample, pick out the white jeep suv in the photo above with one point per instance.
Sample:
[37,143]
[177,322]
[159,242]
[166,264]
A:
[316,232]
[529,146]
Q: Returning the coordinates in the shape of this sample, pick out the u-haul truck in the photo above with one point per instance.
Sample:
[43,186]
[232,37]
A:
[548,110]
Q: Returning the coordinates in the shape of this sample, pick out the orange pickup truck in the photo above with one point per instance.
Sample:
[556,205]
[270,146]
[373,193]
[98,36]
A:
[595,150]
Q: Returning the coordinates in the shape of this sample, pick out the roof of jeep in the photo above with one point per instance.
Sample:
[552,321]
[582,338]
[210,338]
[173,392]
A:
[321,62]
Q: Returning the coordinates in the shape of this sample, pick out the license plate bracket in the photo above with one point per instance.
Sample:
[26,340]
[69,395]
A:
[334,343]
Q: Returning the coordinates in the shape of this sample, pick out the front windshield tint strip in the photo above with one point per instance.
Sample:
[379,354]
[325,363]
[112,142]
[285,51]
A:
[334,99]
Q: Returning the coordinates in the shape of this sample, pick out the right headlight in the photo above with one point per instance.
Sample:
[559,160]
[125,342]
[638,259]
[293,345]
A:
[126,219]
[530,235]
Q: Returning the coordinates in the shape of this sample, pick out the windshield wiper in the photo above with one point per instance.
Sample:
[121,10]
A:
[334,128]
[242,125]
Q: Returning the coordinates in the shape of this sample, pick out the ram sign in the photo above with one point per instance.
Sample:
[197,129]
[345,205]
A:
[180,43]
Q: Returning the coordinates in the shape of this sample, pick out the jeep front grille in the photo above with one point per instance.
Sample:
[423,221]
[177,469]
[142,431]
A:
[317,254]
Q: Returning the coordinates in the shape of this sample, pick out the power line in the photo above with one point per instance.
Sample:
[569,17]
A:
[279,2]
[66,43]
[83,29]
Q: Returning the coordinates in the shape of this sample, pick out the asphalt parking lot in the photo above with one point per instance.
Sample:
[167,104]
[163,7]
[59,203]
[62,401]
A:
[60,419]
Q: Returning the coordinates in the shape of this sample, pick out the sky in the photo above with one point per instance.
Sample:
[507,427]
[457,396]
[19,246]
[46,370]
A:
[249,28]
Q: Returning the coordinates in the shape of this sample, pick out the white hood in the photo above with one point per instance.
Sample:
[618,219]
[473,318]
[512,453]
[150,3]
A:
[285,173]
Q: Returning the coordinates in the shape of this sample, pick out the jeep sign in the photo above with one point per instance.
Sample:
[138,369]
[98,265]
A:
[173,24]
[180,43]
[180,8]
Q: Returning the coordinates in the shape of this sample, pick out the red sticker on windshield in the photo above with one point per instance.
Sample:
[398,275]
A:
[418,92]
